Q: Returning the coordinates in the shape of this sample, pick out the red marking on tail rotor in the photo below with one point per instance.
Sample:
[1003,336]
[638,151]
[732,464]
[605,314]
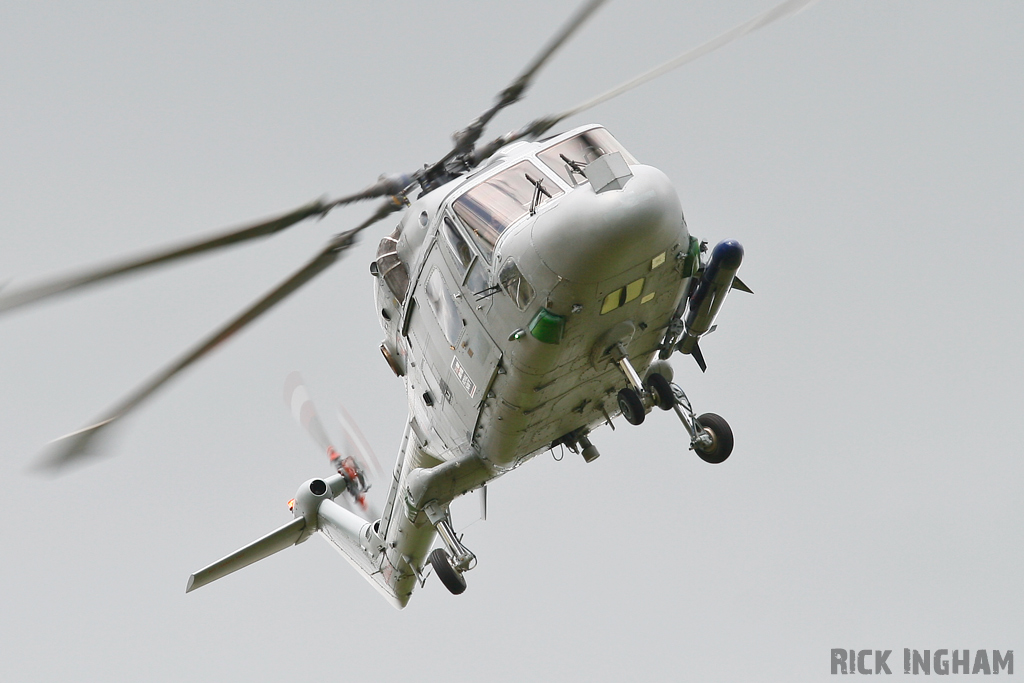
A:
[349,469]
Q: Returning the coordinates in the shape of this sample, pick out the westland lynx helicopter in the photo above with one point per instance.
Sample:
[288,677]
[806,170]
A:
[533,289]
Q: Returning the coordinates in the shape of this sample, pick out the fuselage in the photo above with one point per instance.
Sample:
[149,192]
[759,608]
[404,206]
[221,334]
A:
[501,295]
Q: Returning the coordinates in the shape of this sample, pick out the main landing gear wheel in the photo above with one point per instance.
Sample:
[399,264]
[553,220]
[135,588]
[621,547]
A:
[632,406]
[661,390]
[452,579]
[721,439]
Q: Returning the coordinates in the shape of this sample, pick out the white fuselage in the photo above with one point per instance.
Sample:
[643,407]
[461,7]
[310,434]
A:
[496,376]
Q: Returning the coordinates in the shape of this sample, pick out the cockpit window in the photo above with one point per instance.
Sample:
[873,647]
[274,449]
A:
[462,252]
[495,204]
[515,285]
[580,150]
[465,258]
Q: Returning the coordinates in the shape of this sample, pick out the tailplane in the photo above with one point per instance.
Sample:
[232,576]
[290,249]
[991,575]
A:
[315,510]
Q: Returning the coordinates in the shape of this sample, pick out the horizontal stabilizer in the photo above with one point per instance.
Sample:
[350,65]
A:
[265,547]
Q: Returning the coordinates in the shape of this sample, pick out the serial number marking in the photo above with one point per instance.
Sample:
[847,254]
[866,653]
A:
[467,382]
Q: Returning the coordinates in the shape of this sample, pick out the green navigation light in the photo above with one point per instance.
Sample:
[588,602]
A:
[547,326]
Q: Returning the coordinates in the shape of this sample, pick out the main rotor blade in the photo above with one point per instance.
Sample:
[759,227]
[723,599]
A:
[467,137]
[540,126]
[780,11]
[262,229]
[74,445]
[386,185]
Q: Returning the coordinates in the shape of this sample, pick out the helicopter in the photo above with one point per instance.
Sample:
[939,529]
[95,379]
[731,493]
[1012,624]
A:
[534,289]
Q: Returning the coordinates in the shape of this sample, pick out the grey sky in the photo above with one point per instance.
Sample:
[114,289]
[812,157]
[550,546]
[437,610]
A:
[868,155]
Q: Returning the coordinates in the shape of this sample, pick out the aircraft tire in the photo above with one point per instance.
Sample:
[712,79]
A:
[722,441]
[660,387]
[452,580]
[631,406]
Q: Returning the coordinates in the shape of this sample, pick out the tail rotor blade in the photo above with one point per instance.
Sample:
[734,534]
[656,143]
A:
[353,444]
[303,410]
[362,451]
[358,448]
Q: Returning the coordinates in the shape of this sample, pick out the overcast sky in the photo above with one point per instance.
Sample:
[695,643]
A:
[869,155]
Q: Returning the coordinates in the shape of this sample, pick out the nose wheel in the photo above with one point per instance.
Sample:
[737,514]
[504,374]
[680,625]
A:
[631,399]
[631,403]
[631,406]
[660,390]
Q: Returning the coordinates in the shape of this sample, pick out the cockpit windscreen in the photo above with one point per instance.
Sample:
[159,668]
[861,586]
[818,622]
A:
[581,150]
[498,202]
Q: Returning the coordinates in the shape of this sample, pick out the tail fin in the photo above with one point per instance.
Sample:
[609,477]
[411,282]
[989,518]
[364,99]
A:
[698,356]
[275,541]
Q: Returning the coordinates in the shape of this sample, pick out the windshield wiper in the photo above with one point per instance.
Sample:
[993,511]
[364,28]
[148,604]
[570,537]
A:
[538,190]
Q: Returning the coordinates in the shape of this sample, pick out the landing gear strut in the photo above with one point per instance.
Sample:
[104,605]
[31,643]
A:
[710,434]
[631,399]
[450,564]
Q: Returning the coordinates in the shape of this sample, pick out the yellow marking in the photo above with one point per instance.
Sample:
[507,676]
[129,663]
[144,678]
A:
[657,260]
[647,297]
[612,301]
[634,289]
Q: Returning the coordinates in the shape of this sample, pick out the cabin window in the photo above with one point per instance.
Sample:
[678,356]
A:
[515,285]
[442,303]
[581,150]
[492,206]
[473,274]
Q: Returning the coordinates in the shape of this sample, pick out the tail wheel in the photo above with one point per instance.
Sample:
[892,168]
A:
[721,439]
[661,389]
[631,406]
[452,580]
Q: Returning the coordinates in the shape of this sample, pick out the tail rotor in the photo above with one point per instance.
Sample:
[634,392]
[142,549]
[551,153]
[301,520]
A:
[355,453]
